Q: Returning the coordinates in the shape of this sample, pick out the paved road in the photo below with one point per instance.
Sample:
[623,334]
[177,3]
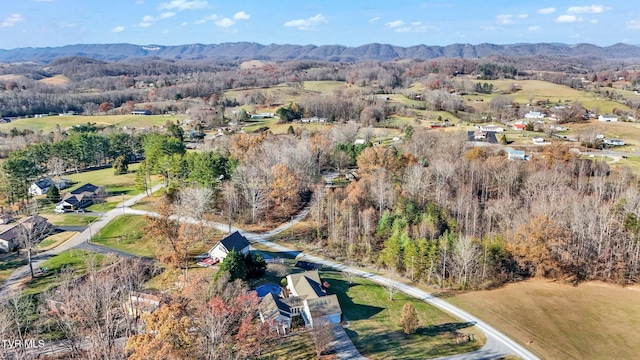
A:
[498,344]
[78,241]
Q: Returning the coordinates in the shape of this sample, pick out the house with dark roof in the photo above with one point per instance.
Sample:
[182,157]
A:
[141,112]
[10,233]
[78,199]
[42,186]
[234,241]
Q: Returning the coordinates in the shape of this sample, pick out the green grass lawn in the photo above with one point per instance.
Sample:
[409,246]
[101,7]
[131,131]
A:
[537,89]
[48,124]
[71,219]
[116,185]
[374,323]
[74,259]
[124,233]
[296,346]
[55,240]
[9,262]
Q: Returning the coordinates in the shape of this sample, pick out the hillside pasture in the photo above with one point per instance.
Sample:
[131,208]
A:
[626,131]
[48,123]
[55,80]
[533,90]
[589,321]
[324,87]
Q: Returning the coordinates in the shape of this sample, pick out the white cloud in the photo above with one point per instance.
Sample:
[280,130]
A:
[523,16]
[184,23]
[241,15]
[374,19]
[395,24]
[534,28]
[183,5]
[148,19]
[12,19]
[165,15]
[633,25]
[505,19]
[308,23]
[117,29]
[225,22]
[545,11]
[591,9]
[593,21]
[415,27]
[568,19]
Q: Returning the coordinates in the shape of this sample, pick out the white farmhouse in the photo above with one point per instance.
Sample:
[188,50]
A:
[608,118]
[234,241]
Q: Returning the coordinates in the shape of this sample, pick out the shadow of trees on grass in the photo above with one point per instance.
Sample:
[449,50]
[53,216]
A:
[436,330]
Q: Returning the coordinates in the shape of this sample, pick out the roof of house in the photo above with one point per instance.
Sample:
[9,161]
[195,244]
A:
[307,284]
[12,233]
[326,305]
[86,188]
[271,307]
[235,242]
[43,183]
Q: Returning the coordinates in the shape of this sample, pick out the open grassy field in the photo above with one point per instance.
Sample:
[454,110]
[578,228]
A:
[626,131]
[536,90]
[55,80]
[374,323]
[116,185]
[589,321]
[324,87]
[48,124]
[124,233]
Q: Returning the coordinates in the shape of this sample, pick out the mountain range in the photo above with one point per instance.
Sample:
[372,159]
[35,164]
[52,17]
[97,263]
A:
[254,51]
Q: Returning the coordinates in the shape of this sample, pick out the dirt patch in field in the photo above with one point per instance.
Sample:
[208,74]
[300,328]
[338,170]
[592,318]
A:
[592,320]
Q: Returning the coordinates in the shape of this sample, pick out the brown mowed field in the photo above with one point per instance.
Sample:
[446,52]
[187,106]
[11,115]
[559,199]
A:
[593,320]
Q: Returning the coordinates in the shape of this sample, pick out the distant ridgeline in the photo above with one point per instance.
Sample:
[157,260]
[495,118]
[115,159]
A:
[249,50]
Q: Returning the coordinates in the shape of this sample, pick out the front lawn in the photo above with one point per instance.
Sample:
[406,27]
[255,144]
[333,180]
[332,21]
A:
[70,219]
[374,323]
[55,240]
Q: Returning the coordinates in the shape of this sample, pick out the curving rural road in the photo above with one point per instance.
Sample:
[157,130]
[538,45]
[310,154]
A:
[497,345]
[78,241]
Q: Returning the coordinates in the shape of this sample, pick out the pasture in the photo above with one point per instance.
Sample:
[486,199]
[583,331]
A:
[49,123]
[533,90]
[592,320]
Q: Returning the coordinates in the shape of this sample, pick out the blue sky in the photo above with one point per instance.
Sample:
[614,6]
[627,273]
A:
[42,23]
